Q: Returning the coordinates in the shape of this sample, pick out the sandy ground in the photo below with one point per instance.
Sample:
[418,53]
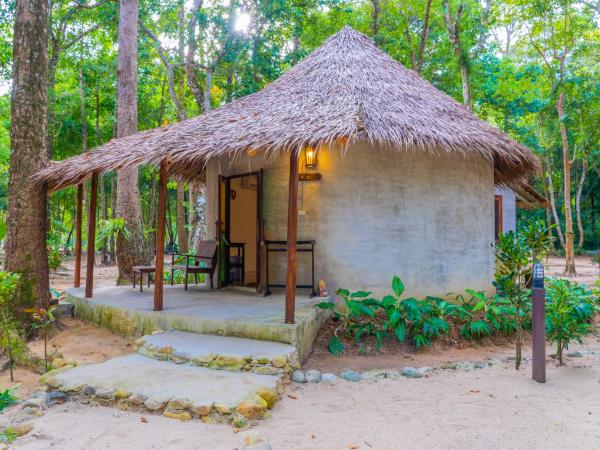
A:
[492,408]
[77,341]
[62,278]
[586,273]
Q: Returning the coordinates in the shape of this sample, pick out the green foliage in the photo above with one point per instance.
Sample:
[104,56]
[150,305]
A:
[569,310]
[3,217]
[43,319]
[482,316]
[8,436]
[8,398]
[11,328]
[516,253]
[362,315]
[111,229]
[55,258]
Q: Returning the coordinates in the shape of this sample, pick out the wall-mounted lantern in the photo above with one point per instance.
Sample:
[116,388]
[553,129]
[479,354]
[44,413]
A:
[310,158]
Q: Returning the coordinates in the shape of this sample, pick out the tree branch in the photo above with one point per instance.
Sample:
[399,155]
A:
[169,68]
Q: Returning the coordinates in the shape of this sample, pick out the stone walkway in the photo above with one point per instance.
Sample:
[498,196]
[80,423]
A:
[220,352]
[184,375]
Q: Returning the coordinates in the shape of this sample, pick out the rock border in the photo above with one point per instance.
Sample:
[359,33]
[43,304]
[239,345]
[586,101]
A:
[279,365]
[255,407]
[315,376]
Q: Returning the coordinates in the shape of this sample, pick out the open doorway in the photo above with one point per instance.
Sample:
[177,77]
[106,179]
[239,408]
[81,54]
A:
[240,216]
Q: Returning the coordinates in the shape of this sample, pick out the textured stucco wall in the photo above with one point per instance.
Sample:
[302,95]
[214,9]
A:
[509,209]
[378,212]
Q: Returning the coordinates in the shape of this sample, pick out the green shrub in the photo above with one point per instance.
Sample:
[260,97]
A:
[11,329]
[356,319]
[569,309]
[419,320]
[516,253]
[482,316]
[55,258]
[7,398]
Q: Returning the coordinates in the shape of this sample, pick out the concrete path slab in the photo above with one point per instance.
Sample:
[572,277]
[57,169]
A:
[160,386]
[220,352]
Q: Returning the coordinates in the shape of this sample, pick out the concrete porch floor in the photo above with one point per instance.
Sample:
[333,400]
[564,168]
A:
[226,312]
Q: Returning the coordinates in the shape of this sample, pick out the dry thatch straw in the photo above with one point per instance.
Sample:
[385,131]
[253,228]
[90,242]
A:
[348,89]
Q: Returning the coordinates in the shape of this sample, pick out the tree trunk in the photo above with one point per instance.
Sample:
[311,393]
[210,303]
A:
[453,30]
[25,247]
[52,63]
[465,79]
[569,246]
[207,89]
[132,251]
[182,239]
[190,69]
[112,245]
[375,20]
[424,36]
[84,134]
[103,203]
[558,228]
[548,210]
[580,228]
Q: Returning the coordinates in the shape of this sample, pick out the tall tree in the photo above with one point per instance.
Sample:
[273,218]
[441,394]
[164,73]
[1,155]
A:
[554,36]
[27,222]
[130,251]
[465,50]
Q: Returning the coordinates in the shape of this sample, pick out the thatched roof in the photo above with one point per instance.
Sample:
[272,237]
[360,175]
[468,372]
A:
[528,198]
[346,89]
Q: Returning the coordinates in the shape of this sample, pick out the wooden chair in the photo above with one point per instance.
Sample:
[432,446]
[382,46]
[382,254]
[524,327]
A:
[207,254]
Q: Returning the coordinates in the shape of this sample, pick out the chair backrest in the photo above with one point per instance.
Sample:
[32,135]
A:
[207,250]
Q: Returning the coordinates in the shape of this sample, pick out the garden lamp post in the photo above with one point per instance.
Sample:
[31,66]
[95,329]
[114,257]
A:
[538,298]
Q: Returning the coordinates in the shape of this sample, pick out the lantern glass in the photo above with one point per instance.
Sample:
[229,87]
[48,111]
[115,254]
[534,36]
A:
[310,157]
[538,275]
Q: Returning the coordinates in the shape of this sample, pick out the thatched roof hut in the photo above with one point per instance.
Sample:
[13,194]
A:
[347,90]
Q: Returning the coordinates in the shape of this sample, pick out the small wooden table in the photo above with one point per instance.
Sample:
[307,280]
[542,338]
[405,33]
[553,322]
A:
[142,270]
[241,257]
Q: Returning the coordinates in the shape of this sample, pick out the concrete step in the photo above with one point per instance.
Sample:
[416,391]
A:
[137,383]
[220,352]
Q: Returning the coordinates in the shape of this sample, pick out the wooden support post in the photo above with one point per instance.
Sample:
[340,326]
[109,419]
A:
[91,247]
[78,223]
[292,232]
[160,237]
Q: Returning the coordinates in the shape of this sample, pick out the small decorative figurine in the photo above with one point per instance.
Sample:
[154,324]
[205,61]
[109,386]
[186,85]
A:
[323,289]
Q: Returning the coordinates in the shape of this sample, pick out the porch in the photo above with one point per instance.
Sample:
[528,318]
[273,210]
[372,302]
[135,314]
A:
[227,312]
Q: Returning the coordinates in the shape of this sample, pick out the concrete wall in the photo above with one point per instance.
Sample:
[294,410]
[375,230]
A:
[378,212]
[509,209]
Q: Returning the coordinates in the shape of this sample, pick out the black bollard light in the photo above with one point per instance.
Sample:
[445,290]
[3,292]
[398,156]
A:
[538,297]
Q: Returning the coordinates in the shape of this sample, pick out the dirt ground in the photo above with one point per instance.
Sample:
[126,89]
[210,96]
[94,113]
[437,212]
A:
[491,408]
[586,273]
[62,278]
[496,407]
[76,340]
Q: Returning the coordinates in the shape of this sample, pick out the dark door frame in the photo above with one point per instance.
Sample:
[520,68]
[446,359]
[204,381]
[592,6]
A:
[225,224]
